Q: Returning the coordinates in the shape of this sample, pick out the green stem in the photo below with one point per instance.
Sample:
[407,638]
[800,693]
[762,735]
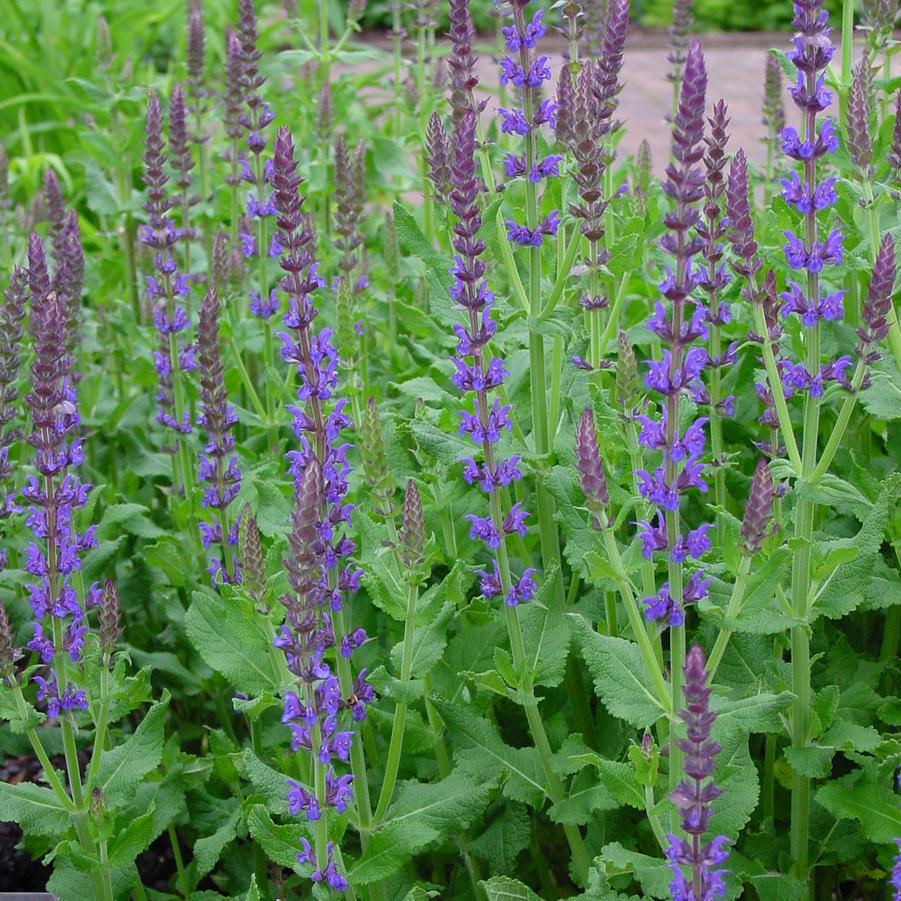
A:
[324,54]
[260,863]
[847,56]
[661,689]
[732,611]
[769,778]
[38,746]
[775,383]
[357,759]
[400,711]
[100,733]
[246,381]
[562,275]
[841,425]
[184,884]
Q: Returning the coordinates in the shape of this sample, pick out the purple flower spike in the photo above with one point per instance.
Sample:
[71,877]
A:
[218,465]
[319,575]
[694,795]
[53,501]
[876,307]
[479,373]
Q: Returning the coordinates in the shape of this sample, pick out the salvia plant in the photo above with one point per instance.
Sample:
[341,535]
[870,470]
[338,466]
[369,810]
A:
[405,493]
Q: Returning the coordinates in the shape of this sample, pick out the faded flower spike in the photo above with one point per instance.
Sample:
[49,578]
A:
[413,532]
[591,470]
[759,510]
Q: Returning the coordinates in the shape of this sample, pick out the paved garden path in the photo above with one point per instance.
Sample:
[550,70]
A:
[735,67]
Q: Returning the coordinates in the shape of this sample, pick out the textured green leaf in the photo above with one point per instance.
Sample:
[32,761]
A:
[271,784]
[35,808]
[123,768]
[483,753]
[506,836]
[847,587]
[132,840]
[273,510]
[234,643]
[132,518]
[859,797]
[621,680]
[423,813]
[545,634]
[281,843]
[503,888]
[651,873]
[429,642]
[883,398]
[209,848]
[619,780]
[168,555]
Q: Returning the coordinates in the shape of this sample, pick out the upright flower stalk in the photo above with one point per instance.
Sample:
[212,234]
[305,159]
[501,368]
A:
[713,280]
[53,559]
[678,372]
[166,293]
[680,29]
[182,162]
[12,314]
[198,92]
[773,115]
[218,469]
[694,795]
[524,71]
[808,254]
[590,124]
[255,170]
[479,373]
[321,580]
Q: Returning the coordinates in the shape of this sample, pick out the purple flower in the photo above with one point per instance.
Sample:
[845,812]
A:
[525,237]
[534,31]
[318,578]
[695,793]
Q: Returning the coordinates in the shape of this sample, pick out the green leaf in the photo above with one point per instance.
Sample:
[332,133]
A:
[423,813]
[429,642]
[9,711]
[506,836]
[281,843]
[132,518]
[132,840]
[484,754]
[503,888]
[168,555]
[778,887]
[651,873]
[235,644]
[619,780]
[545,634]
[859,797]
[268,782]
[883,398]
[208,849]
[122,768]
[273,512]
[443,447]
[847,587]
[621,679]
[35,808]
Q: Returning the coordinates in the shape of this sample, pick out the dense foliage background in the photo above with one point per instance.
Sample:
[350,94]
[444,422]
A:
[621,453]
